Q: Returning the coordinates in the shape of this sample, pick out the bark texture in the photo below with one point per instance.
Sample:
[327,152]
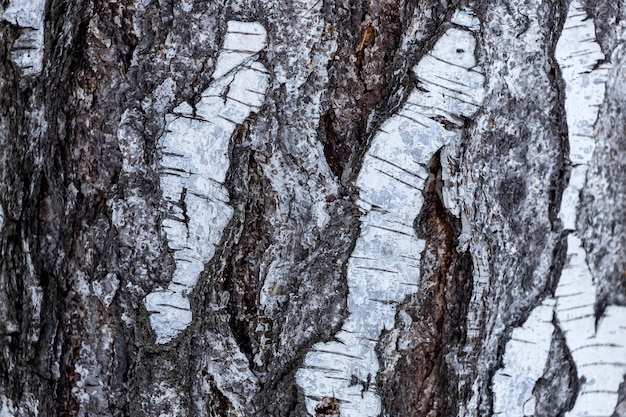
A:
[323,208]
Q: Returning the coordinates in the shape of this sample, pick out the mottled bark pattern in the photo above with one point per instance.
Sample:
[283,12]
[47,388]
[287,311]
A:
[88,90]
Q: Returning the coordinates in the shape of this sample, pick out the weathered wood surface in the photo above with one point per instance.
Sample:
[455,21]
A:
[259,208]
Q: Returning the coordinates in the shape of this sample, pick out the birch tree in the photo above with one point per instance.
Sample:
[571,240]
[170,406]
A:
[312,208]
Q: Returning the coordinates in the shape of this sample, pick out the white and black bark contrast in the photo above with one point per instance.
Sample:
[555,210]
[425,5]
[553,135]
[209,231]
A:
[314,208]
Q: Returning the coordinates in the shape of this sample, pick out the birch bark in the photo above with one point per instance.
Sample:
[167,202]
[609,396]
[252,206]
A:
[312,208]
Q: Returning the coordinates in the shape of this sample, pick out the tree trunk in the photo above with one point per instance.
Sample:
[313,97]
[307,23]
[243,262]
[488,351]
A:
[259,208]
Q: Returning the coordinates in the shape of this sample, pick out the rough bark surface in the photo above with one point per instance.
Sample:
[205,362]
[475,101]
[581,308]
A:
[323,208]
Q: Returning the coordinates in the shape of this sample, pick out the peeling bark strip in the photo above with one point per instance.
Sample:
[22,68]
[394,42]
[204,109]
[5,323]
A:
[597,346]
[195,160]
[27,49]
[585,73]
[384,267]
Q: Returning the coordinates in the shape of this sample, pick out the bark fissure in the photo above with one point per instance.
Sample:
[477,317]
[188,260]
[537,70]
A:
[422,380]
[358,75]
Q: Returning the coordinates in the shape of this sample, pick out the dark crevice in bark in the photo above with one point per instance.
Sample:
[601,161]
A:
[123,358]
[225,301]
[51,223]
[282,397]
[30,352]
[328,406]
[241,276]
[621,399]
[561,176]
[82,156]
[359,74]
[559,258]
[557,389]
[217,404]
[424,383]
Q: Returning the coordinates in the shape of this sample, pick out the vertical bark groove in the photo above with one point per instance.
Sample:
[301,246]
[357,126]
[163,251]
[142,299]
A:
[423,381]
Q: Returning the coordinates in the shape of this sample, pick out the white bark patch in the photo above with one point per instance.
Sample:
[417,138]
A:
[28,406]
[7,408]
[598,349]
[385,264]
[524,363]
[579,55]
[27,50]
[194,164]
[106,289]
[242,41]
